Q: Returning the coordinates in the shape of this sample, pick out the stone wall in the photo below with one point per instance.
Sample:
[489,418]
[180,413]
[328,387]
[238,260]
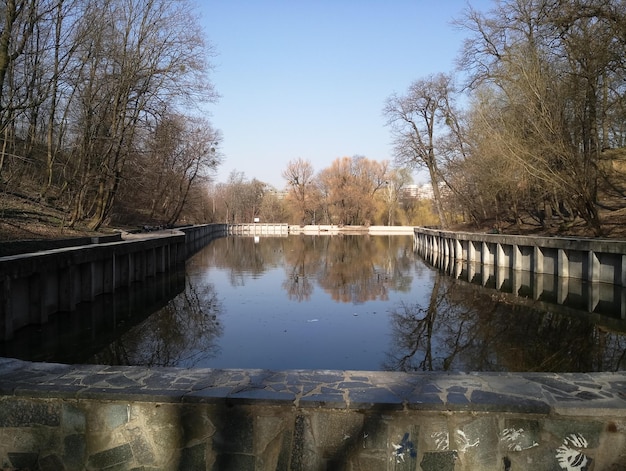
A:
[59,417]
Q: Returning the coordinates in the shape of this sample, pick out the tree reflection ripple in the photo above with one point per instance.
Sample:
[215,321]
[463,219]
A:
[470,328]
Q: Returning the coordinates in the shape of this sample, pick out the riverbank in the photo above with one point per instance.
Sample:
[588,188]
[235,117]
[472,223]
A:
[26,218]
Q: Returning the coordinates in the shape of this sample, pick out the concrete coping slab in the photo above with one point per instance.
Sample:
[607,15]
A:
[595,394]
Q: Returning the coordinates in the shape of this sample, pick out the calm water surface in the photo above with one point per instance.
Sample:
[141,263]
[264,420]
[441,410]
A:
[326,302]
[352,302]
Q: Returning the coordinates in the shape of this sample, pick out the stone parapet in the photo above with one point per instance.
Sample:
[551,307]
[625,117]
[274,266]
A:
[99,417]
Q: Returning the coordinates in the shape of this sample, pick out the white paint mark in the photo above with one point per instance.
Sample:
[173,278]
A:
[464,441]
[442,440]
[516,439]
[399,454]
[576,440]
[569,457]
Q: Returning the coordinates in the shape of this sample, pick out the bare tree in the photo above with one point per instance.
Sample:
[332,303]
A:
[123,84]
[184,152]
[417,119]
[552,67]
[397,179]
[299,175]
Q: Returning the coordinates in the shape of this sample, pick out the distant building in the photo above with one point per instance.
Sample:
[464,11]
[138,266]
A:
[418,191]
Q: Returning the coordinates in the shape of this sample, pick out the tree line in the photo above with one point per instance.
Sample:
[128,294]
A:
[98,116]
[98,107]
[351,191]
[542,135]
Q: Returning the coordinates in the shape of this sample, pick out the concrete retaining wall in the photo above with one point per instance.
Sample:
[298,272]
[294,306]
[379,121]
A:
[93,417]
[592,260]
[34,286]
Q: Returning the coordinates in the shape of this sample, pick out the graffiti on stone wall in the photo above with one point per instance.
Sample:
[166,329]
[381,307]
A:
[442,441]
[569,454]
[517,440]
[404,448]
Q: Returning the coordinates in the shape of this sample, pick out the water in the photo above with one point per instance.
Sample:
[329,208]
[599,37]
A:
[337,302]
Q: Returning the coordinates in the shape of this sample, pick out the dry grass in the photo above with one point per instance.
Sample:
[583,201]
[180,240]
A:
[22,218]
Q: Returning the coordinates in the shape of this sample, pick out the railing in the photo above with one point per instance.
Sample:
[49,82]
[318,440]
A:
[258,229]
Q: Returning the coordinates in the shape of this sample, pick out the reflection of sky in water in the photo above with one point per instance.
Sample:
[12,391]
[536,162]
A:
[263,328]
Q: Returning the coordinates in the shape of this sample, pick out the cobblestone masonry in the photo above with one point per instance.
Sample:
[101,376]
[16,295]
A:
[60,417]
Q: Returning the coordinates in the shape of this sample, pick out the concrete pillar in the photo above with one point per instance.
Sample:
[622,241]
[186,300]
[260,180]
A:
[516,255]
[562,269]
[6,309]
[458,249]
[537,263]
[485,255]
[500,261]
[138,263]
[159,258]
[124,267]
[87,291]
[36,296]
[108,274]
[150,257]
[471,251]
[593,267]
[68,293]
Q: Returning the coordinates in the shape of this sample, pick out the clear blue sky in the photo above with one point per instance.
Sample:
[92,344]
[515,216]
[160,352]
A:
[309,78]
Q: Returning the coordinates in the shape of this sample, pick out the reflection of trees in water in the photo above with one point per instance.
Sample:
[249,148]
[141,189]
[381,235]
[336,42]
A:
[361,268]
[302,260]
[352,268]
[465,327]
[242,256]
[183,333]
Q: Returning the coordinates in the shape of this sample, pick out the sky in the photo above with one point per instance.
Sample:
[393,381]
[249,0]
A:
[309,79]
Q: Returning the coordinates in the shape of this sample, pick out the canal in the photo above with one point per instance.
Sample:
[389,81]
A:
[349,302]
